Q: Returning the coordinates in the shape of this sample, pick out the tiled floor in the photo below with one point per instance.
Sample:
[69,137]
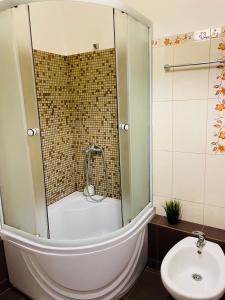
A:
[12,294]
[148,287]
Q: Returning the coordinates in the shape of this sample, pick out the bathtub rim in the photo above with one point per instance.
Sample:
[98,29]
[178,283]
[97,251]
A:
[30,242]
[60,203]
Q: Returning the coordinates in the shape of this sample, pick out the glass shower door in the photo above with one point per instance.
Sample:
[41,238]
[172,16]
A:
[133,60]
[21,177]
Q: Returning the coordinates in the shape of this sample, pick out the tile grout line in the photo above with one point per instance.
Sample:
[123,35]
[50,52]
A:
[206,204]
[206,135]
[172,133]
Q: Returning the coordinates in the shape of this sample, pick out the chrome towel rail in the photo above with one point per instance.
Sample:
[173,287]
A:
[167,67]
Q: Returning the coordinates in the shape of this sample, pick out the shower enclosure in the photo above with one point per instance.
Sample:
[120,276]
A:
[75,155]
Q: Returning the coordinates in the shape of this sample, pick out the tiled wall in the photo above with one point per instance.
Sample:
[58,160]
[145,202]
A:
[189,126]
[77,106]
[56,112]
[92,82]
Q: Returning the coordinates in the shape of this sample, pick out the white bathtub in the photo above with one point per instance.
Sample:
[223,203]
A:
[99,268]
[75,217]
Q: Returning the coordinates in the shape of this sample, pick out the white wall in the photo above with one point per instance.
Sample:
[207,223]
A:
[46,27]
[178,16]
[64,27]
[86,24]
[68,28]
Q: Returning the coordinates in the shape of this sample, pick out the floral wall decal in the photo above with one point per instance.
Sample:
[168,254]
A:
[219,125]
[200,36]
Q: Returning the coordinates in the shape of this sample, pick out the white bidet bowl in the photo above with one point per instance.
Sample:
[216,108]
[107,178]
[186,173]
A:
[188,275]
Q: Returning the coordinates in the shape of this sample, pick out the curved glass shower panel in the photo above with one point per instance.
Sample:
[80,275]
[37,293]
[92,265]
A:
[21,177]
[67,82]
[133,61]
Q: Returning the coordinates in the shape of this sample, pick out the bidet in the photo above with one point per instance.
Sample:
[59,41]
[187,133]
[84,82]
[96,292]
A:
[188,275]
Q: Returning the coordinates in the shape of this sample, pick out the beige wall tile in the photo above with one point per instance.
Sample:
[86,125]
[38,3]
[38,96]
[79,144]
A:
[162,81]
[216,51]
[192,212]
[198,117]
[215,180]
[189,126]
[191,51]
[162,173]
[191,82]
[158,203]
[188,176]
[162,125]
[214,216]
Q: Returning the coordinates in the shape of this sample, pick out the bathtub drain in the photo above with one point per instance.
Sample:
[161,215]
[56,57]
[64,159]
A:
[197,277]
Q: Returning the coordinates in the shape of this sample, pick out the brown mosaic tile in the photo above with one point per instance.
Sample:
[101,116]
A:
[77,104]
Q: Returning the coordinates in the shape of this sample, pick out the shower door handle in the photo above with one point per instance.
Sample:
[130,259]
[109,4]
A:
[33,131]
[124,127]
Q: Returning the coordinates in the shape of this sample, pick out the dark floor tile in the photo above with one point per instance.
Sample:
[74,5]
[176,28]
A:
[148,287]
[182,226]
[3,268]
[4,285]
[12,294]
[154,264]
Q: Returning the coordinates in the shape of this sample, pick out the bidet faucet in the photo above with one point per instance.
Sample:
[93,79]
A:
[201,240]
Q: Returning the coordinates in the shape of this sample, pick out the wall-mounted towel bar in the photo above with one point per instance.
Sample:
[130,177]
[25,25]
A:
[168,67]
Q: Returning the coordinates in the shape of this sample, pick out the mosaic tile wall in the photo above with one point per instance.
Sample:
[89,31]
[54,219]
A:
[77,105]
[93,82]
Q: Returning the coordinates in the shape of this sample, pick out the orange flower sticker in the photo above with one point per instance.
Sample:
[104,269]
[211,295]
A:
[221,46]
[177,41]
[222,90]
[221,148]
[219,107]
[167,42]
[222,135]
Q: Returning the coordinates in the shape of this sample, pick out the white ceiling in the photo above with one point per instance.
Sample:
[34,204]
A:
[178,16]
